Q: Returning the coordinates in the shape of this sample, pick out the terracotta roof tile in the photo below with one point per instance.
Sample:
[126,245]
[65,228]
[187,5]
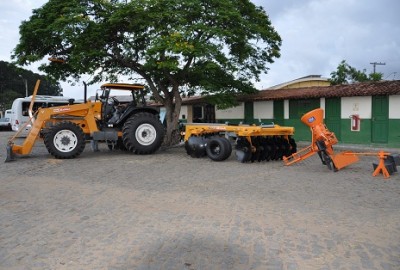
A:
[349,90]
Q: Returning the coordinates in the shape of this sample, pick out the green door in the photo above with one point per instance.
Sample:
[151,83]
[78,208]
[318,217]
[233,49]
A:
[332,115]
[297,108]
[278,112]
[380,119]
[248,113]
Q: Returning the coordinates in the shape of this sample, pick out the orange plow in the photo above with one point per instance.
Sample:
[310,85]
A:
[322,142]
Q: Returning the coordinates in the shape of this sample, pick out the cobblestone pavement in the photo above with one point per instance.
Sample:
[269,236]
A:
[113,210]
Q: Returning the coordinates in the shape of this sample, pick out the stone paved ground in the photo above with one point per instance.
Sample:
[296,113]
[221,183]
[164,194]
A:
[112,210]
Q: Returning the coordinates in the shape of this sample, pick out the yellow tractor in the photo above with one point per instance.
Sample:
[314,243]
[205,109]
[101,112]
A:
[123,124]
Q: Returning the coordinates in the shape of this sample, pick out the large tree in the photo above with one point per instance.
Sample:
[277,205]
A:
[216,47]
[346,74]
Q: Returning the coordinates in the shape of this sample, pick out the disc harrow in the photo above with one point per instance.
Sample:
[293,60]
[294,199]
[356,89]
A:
[251,143]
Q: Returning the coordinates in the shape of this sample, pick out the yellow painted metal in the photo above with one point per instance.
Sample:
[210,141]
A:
[247,131]
[123,86]
[85,115]
[33,98]
[81,114]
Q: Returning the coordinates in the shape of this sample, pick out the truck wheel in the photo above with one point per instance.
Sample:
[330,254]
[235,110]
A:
[143,133]
[65,140]
[218,149]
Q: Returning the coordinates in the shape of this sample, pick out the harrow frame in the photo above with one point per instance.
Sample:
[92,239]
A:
[248,137]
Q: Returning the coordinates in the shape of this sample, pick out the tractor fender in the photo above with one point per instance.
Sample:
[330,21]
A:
[130,111]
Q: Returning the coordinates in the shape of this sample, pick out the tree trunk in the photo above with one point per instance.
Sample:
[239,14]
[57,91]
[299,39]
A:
[172,102]
[173,109]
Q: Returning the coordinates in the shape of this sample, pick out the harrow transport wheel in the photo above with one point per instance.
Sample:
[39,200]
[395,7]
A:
[196,146]
[143,133]
[64,140]
[218,149]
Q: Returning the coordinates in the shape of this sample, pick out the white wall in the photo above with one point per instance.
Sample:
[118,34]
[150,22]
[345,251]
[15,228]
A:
[231,113]
[286,109]
[356,105]
[184,111]
[322,104]
[263,110]
[394,107]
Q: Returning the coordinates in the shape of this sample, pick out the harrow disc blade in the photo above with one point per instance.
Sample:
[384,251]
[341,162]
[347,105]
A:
[279,149]
[265,149]
[256,141]
[286,148]
[260,151]
[243,154]
[243,150]
[293,145]
[271,149]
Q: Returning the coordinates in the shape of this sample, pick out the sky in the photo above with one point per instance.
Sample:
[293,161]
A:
[316,36]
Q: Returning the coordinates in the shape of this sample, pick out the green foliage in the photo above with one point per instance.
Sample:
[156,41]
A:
[176,46]
[346,74]
[12,84]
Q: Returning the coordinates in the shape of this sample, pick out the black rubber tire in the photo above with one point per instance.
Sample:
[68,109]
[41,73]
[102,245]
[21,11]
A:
[64,140]
[143,133]
[120,145]
[218,149]
[195,146]
[228,144]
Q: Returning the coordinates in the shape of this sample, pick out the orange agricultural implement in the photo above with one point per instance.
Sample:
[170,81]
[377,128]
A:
[322,142]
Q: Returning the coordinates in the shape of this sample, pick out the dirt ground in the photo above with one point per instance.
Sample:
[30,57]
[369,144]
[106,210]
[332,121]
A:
[114,210]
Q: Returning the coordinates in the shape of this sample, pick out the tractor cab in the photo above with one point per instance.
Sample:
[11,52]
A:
[116,105]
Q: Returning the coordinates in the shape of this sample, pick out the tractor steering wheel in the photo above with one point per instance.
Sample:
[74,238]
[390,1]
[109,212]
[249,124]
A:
[115,100]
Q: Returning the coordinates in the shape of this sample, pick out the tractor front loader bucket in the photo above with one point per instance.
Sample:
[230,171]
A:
[10,154]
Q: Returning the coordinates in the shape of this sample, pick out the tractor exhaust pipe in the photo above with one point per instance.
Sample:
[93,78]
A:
[84,92]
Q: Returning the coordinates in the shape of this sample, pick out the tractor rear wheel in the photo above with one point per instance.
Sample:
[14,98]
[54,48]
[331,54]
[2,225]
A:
[143,133]
[64,140]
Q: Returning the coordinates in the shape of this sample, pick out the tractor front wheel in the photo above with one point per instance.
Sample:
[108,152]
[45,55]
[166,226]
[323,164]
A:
[64,140]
